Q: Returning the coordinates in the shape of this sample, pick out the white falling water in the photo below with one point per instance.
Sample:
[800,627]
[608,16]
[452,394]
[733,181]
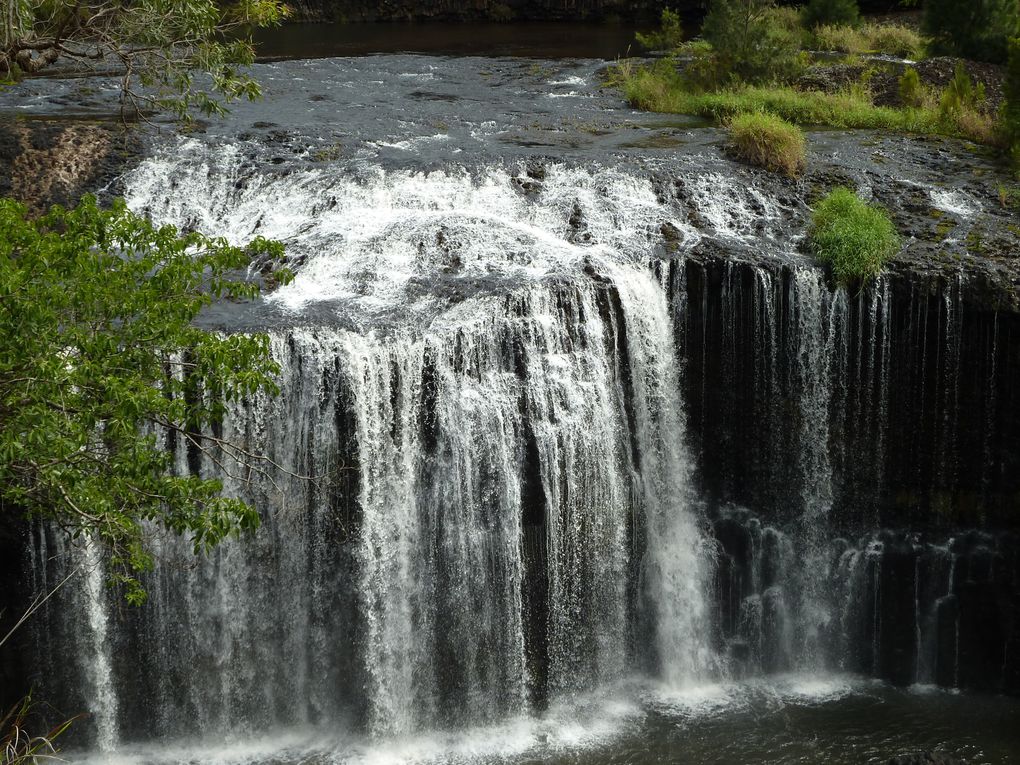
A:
[405,605]
[675,569]
[102,693]
[819,327]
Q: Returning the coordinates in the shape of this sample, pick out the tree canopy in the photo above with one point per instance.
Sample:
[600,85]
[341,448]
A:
[100,359]
[160,45]
[977,29]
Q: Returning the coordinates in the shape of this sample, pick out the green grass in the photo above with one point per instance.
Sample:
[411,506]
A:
[767,141]
[892,39]
[853,237]
[661,88]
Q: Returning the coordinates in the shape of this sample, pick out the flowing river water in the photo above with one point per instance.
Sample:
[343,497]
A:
[606,460]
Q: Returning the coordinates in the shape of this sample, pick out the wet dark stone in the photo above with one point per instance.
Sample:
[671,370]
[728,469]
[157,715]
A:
[925,758]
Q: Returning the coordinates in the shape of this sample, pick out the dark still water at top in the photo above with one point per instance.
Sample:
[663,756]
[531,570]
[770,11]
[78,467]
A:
[533,40]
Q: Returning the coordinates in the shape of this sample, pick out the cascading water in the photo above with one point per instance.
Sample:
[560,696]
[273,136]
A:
[572,428]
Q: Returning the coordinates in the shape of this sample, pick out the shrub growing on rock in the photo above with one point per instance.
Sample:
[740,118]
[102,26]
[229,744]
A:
[840,38]
[767,141]
[836,12]
[854,238]
[894,39]
[911,89]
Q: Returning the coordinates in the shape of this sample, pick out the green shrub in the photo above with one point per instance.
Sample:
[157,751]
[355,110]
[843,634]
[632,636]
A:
[894,39]
[832,12]
[843,39]
[911,89]
[788,18]
[871,38]
[960,94]
[767,141]
[668,36]
[854,238]
[751,42]
[1010,115]
[661,88]
[976,29]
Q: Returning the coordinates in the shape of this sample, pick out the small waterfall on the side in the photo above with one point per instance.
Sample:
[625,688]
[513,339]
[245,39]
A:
[819,318]
[102,691]
[675,571]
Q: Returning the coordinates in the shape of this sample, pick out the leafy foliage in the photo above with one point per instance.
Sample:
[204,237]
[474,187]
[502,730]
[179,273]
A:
[960,94]
[100,358]
[18,746]
[853,237]
[836,12]
[159,44]
[976,29]
[910,88]
[1011,106]
[767,141]
[668,36]
[751,42]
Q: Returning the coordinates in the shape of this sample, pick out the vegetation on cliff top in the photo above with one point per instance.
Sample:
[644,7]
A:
[751,58]
[767,141]
[854,238]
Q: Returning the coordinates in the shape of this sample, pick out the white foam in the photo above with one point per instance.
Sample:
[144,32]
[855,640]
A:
[575,726]
[954,202]
[717,698]
[734,210]
[573,81]
[369,240]
[411,144]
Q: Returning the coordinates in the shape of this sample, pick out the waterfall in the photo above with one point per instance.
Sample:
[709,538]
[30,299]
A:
[675,574]
[101,686]
[535,442]
[435,440]
[819,318]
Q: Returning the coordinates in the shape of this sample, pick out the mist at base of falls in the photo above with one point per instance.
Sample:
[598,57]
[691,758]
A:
[606,470]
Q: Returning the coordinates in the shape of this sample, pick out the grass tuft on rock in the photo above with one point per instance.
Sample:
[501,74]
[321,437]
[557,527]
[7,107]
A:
[892,39]
[854,238]
[768,141]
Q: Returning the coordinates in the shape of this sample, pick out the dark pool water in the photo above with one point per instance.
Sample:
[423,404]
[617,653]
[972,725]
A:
[781,721]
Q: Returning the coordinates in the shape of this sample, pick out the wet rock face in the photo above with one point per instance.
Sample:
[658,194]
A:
[925,758]
[12,606]
[893,604]
[48,162]
[922,421]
